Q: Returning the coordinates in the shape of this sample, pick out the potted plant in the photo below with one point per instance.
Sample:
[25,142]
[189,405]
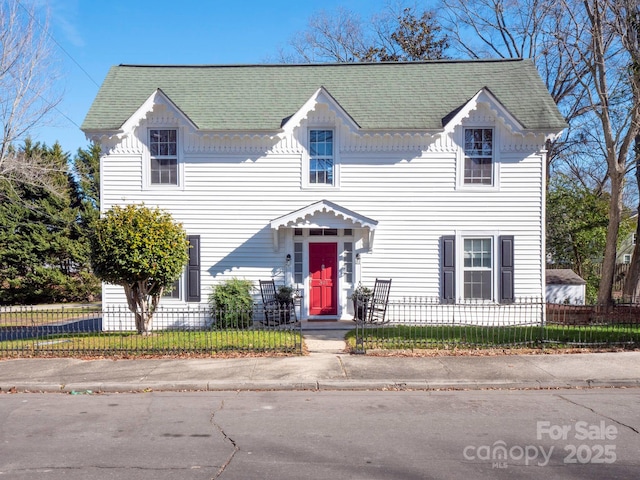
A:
[361,296]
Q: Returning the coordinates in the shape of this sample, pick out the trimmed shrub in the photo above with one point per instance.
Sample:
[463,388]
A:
[232,304]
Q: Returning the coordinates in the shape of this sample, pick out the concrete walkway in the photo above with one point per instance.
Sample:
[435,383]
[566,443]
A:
[326,367]
[326,337]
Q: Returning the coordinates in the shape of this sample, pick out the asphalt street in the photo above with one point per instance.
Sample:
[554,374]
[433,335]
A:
[551,434]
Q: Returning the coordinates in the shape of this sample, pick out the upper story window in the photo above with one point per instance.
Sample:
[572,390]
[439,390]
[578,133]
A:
[321,159]
[478,156]
[163,150]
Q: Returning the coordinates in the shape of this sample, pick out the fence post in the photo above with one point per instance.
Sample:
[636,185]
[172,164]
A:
[360,337]
[543,330]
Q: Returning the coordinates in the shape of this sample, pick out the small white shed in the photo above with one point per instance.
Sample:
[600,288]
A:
[566,287]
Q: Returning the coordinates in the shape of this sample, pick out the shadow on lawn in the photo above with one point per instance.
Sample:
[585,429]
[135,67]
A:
[87,325]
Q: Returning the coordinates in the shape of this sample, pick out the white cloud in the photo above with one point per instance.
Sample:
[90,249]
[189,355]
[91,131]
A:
[63,20]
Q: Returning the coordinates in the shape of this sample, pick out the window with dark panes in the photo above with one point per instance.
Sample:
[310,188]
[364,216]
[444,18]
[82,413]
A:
[163,150]
[478,269]
[478,156]
[321,157]
[174,291]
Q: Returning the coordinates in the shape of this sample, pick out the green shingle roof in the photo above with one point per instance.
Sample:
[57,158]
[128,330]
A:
[385,96]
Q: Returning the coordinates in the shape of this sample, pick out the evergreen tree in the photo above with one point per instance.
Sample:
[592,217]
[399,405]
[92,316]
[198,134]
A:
[43,251]
[87,170]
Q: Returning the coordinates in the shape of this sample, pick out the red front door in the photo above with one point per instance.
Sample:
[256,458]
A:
[323,272]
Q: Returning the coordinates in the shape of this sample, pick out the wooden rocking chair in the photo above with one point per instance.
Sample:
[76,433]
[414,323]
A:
[377,308]
[269,302]
[274,312]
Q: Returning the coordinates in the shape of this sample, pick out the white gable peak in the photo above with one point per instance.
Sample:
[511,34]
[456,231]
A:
[323,96]
[484,97]
[156,98]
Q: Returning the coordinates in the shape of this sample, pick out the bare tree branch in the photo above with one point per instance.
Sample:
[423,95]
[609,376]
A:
[396,34]
[26,89]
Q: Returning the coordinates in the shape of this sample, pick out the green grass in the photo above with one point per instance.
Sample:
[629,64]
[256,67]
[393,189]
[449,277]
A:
[434,336]
[157,343]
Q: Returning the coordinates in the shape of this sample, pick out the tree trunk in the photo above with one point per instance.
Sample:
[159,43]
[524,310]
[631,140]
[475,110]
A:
[139,304]
[609,260]
[631,290]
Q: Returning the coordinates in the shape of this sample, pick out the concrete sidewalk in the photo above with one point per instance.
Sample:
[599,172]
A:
[327,367]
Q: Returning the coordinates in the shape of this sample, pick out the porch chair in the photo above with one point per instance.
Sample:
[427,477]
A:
[274,312]
[379,300]
[269,301]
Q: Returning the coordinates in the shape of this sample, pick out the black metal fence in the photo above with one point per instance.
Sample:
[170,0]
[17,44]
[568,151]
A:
[85,331]
[428,323]
[408,324]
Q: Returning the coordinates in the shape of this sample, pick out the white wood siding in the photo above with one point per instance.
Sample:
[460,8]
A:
[232,189]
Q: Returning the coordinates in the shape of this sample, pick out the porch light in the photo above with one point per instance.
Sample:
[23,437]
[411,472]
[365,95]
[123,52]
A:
[288,259]
[357,259]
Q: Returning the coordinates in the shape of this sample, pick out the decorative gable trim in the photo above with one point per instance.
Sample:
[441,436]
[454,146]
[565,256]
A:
[114,140]
[320,96]
[484,96]
[156,98]
[310,217]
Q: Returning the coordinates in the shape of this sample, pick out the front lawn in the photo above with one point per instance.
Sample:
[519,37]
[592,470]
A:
[156,343]
[436,336]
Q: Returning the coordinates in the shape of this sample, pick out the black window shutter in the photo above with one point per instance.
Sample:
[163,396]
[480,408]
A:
[193,269]
[448,271]
[506,269]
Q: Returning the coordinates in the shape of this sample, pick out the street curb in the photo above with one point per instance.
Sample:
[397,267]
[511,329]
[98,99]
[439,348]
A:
[320,385]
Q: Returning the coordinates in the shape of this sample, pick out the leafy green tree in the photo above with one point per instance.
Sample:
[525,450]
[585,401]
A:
[144,251]
[414,38]
[577,221]
[44,257]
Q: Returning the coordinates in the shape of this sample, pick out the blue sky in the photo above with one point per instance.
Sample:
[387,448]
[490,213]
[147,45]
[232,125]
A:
[100,33]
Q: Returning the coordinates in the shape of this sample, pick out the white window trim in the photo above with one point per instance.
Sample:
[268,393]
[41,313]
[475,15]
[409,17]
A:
[460,160]
[306,157]
[146,160]
[495,285]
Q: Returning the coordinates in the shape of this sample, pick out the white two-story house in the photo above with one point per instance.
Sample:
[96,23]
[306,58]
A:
[327,176]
